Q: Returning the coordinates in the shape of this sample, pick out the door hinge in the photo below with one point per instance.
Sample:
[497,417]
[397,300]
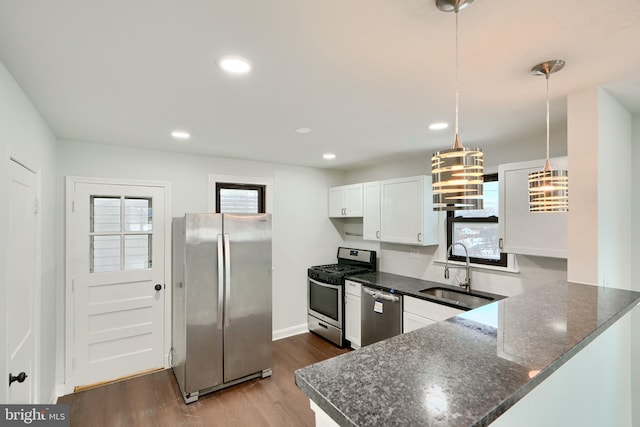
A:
[36,206]
[73,363]
[73,285]
[73,206]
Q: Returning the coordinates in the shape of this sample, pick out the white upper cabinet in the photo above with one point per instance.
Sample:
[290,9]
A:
[524,232]
[406,213]
[371,215]
[345,201]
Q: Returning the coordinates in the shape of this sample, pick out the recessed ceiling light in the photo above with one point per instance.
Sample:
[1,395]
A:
[438,126]
[328,156]
[181,135]
[303,130]
[235,65]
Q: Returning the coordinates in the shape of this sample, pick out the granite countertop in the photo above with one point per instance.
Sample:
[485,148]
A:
[467,370]
[409,286]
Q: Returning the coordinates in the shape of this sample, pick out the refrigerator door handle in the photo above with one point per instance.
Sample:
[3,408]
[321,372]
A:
[220,280]
[227,283]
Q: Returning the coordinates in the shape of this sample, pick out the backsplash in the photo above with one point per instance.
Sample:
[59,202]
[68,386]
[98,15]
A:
[420,263]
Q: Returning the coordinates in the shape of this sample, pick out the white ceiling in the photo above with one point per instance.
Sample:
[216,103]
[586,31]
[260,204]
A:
[367,76]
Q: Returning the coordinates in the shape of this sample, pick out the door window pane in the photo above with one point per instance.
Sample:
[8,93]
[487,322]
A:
[105,214]
[121,233]
[137,251]
[137,215]
[105,254]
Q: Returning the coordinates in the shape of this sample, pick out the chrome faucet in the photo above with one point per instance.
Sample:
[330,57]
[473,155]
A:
[466,284]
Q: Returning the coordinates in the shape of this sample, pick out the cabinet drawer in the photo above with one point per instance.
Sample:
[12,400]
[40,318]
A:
[352,288]
[429,309]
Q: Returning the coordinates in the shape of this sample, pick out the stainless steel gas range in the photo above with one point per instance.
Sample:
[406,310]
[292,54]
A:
[325,300]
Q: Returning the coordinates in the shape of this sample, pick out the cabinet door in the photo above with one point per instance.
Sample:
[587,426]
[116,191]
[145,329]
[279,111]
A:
[411,322]
[371,214]
[353,200]
[524,232]
[336,200]
[402,212]
[352,319]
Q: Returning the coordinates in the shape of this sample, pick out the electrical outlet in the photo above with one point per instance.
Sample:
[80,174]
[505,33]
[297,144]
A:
[415,252]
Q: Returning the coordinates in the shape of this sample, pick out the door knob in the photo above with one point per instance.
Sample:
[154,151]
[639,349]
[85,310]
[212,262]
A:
[20,378]
[158,287]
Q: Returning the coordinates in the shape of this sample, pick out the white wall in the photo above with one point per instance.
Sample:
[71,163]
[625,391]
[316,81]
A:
[302,233]
[635,273]
[419,262]
[603,196]
[600,215]
[614,191]
[582,136]
[25,135]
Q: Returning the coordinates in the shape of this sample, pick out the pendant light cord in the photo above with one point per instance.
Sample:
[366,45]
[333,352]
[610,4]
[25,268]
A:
[547,76]
[457,75]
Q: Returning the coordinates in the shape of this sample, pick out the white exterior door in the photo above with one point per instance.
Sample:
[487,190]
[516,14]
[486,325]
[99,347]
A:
[21,284]
[117,248]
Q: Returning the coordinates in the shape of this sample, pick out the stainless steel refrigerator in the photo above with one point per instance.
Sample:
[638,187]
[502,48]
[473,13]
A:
[221,301]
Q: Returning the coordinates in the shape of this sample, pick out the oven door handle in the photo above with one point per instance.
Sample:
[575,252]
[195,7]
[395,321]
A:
[325,285]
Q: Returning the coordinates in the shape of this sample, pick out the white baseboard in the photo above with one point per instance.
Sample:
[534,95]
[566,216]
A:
[290,331]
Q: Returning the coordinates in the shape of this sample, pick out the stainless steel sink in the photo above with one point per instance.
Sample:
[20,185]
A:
[459,298]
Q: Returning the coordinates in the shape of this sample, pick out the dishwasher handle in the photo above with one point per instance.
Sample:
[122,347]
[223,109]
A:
[381,295]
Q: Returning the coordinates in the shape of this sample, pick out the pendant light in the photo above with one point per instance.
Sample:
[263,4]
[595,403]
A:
[457,173]
[549,188]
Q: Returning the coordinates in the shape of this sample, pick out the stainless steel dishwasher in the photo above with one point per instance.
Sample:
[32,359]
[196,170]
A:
[381,315]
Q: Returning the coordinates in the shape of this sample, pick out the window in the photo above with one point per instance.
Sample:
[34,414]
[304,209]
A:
[240,198]
[478,229]
[121,234]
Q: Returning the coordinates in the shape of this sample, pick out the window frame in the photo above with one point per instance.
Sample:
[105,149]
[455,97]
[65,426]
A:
[451,219]
[260,188]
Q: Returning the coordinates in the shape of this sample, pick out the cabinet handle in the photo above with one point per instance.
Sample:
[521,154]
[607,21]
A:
[377,234]
[419,237]
[500,243]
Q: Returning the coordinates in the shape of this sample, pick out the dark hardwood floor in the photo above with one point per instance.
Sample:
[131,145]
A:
[155,400]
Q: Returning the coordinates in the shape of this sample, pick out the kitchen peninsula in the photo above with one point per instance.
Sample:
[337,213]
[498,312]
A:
[467,370]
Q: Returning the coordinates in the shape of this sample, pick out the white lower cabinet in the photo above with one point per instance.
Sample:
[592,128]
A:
[352,312]
[419,313]
[322,418]
[411,322]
